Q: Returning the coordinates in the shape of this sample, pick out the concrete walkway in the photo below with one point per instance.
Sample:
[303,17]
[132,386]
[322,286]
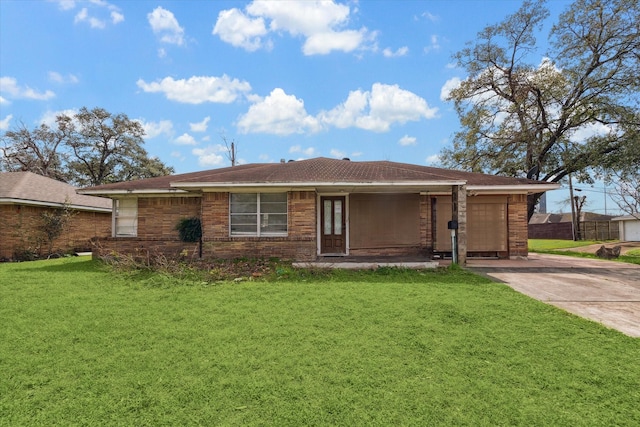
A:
[607,292]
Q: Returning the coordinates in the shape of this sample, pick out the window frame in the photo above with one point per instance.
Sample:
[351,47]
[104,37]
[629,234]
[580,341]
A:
[131,214]
[259,216]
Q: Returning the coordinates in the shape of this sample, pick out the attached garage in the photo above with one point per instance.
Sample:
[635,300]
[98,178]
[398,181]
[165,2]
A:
[487,227]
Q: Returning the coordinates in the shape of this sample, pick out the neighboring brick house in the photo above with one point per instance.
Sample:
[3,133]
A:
[303,210]
[24,196]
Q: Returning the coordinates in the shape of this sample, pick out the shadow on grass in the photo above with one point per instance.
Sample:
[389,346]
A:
[67,265]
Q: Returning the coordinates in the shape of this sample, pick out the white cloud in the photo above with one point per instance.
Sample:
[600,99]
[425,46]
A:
[407,140]
[337,153]
[240,30]
[10,87]
[59,78]
[93,12]
[449,85]
[324,43]
[165,24]
[200,126]
[431,17]
[210,156]
[155,129]
[388,53]
[433,159]
[66,4]
[116,17]
[379,109]
[4,101]
[321,23]
[310,151]
[185,139]
[278,114]
[4,123]
[434,45]
[49,117]
[198,89]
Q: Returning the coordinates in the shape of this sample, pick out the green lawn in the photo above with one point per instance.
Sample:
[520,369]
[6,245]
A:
[80,345]
[558,247]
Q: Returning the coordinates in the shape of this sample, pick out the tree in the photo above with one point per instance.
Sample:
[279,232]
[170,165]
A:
[626,193]
[54,222]
[108,148]
[525,120]
[36,151]
[91,147]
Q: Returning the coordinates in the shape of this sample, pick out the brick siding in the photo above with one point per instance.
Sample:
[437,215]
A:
[20,231]
[517,225]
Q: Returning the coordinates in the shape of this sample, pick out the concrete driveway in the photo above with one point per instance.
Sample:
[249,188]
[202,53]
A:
[604,291]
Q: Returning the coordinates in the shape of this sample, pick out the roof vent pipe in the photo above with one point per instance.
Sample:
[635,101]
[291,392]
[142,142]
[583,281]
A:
[282,161]
[347,159]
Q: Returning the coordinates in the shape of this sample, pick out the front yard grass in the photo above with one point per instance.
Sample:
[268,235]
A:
[558,247]
[81,345]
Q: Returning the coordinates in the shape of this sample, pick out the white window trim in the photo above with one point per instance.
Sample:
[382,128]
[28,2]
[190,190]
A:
[258,232]
[115,219]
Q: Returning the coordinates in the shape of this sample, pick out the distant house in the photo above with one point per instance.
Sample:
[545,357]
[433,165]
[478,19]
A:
[305,210]
[629,226]
[24,196]
[593,226]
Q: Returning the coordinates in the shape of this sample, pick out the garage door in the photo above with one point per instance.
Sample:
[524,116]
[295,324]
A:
[486,224]
[631,231]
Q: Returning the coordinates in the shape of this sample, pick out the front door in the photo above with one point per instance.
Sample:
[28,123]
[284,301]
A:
[333,226]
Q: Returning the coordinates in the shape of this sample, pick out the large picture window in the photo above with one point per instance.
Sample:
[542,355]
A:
[125,217]
[258,214]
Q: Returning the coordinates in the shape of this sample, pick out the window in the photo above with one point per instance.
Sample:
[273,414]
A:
[258,214]
[125,217]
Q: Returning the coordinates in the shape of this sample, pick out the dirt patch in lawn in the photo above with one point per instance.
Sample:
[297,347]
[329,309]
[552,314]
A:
[591,249]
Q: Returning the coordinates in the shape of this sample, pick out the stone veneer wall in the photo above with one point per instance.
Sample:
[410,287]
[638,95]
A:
[518,225]
[19,231]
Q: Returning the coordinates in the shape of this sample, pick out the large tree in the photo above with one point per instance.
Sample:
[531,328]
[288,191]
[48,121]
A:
[37,151]
[570,111]
[91,147]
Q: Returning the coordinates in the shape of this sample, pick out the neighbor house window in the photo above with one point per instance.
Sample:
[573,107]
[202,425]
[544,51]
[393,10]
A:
[125,217]
[258,214]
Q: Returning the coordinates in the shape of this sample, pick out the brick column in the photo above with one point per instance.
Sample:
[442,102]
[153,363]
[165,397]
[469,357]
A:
[459,214]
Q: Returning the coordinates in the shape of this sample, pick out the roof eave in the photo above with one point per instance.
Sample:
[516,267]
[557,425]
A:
[53,205]
[213,186]
[513,189]
[120,192]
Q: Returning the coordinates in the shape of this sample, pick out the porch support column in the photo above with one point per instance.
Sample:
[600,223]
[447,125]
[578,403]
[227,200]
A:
[459,214]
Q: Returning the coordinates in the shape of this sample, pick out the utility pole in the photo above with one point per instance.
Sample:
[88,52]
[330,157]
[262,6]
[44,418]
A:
[573,210]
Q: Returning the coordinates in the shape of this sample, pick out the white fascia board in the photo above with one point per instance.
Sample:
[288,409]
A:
[216,186]
[110,193]
[25,202]
[513,189]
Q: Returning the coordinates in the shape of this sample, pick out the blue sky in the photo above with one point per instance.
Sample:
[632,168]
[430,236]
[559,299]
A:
[283,79]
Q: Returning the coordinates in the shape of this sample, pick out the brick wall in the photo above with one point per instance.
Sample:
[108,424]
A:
[20,231]
[518,225]
[157,218]
[299,244]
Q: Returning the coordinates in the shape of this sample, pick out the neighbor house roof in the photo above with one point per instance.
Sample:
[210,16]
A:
[27,188]
[634,217]
[324,173]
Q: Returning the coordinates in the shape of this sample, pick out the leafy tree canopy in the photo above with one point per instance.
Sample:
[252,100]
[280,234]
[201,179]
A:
[91,147]
[574,110]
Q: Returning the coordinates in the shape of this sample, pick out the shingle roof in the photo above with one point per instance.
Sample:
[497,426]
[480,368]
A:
[318,170]
[30,188]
